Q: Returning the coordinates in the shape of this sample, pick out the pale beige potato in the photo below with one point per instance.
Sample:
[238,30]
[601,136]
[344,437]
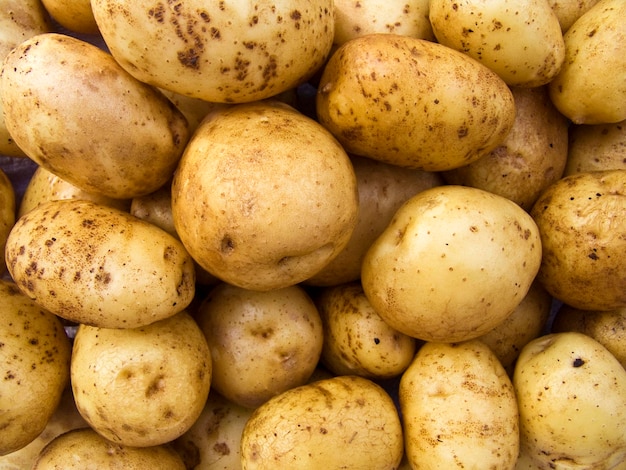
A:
[7,214]
[458,409]
[341,422]
[357,341]
[594,147]
[85,449]
[264,197]
[229,52]
[141,386]
[194,109]
[520,40]
[571,392]
[591,86]
[35,367]
[582,226]
[87,120]
[262,342]
[377,100]
[382,188]
[531,157]
[75,15]
[97,265]
[453,263]
[568,11]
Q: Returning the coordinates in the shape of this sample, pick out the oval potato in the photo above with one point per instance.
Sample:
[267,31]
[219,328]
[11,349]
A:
[75,15]
[596,147]
[568,11]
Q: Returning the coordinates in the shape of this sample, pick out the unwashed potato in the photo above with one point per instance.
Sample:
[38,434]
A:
[87,120]
[7,214]
[568,11]
[453,263]
[75,15]
[596,147]
[582,226]
[341,422]
[143,386]
[376,97]
[97,265]
[571,392]
[458,409]
[262,342]
[35,367]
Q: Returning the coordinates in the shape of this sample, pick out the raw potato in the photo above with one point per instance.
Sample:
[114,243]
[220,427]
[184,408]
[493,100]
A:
[596,147]
[96,265]
[35,367]
[141,386]
[341,422]
[571,392]
[568,11]
[264,197]
[459,409]
[582,226]
[262,343]
[453,263]
[75,15]
[583,90]
[413,103]
[520,40]
[7,215]
[85,449]
[219,51]
[87,120]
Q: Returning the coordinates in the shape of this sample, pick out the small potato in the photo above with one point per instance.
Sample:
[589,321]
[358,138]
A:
[262,342]
[596,147]
[413,103]
[341,422]
[458,409]
[7,214]
[75,15]
[143,386]
[568,11]
[96,265]
[35,367]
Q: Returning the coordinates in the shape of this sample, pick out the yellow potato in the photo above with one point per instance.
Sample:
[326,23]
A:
[568,11]
[87,120]
[453,263]
[219,51]
[596,147]
[75,15]
[413,103]
[141,386]
[458,409]
[7,214]
[100,266]
[341,422]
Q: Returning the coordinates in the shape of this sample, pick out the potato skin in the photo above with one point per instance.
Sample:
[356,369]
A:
[75,15]
[7,214]
[96,265]
[596,147]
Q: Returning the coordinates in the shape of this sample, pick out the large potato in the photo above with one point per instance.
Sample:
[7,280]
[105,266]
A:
[596,147]
[7,214]
[341,422]
[453,263]
[412,102]
[87,120]
[236,51]
[458,409]
[100,266]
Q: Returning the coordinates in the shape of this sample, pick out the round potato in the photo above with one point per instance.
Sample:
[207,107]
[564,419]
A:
[35,364]
[376,97]
[568,11]
[97,265]
[75,15]
[264,197]
[262,342]
[582,226]
[219,51]
[596,147]
[453,263]
[341,422]
[87,120]
[7,214]
[141,386]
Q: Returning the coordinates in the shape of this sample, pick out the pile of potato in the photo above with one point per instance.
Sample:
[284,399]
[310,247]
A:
[313,234]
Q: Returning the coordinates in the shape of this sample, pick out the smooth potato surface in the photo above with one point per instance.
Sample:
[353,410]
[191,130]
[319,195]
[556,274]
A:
[596,147]
[7,214]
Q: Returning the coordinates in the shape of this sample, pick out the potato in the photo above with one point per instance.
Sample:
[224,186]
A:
[356,339]
[96,265]
[453,263]
[520,40]
[458,408]
[142,386]
[264,197]
[262,342]
[413,103]
[596,147]
[194,109]
[582,226]
[568,11]
[35,360]
[87,120]
[85,449]
[530,158]
[341,422]
[571,393]
[219,51]
[582,90]
[75,15]
[7,214]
